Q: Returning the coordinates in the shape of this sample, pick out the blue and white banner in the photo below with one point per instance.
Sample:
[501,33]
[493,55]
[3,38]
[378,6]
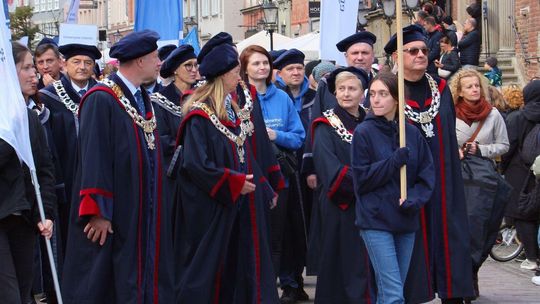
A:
[13,112]
[73,13]
[192,38]
[164,17]
[338,20]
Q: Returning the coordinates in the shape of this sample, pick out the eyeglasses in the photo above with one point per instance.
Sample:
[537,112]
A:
[190,66]
[414,51]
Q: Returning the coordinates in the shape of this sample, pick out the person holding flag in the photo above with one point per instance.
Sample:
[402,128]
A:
[120,235]
[19,215]
[441,260]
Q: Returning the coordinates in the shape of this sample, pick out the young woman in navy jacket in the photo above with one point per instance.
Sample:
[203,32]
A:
[387,222]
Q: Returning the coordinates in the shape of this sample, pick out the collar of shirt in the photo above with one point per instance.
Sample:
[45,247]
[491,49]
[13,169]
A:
[128,83]
[77,88]
[31,104]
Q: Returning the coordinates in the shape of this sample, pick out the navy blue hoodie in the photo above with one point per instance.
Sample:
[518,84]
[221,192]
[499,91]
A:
[375,164]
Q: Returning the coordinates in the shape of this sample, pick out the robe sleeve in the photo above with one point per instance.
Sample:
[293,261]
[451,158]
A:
[222,184]
[420,190]
[369,174]
[44,169]
[96,156]
[336,176]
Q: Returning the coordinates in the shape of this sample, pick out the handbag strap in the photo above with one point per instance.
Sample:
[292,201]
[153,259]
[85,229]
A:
[473,137]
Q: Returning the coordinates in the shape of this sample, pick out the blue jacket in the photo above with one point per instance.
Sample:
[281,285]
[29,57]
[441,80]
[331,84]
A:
[376,163]
[280,115]
[303,90]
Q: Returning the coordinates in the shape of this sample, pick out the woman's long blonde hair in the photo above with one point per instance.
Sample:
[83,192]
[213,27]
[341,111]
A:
[212,94]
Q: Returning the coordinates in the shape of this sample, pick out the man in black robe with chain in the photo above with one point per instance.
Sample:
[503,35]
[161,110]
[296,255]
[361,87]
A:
[441,261]
[119,242]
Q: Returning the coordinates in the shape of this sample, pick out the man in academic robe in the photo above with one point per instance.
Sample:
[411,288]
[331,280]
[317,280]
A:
[119,238]
[62,98]
[48,62]
[441,260]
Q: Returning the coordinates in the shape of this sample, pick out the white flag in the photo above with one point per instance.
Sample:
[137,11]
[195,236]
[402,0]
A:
[73,13]
[13,111]
[338,20]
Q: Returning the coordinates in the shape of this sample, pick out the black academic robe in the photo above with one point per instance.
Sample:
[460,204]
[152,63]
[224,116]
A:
[168,122]
[441,260]
[225,254]
[344,274]
[64,127]
[119,178]
[260,142]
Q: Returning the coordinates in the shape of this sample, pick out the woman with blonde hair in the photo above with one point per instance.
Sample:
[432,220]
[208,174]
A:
[221,242]
[481,132]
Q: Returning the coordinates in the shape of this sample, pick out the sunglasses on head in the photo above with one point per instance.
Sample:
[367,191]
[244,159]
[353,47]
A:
[414,50]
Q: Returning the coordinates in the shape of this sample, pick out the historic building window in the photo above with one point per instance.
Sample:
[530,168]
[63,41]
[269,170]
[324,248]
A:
[215,7]
[205,9]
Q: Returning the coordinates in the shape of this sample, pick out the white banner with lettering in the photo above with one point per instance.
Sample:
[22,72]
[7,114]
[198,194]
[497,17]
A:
[338,20]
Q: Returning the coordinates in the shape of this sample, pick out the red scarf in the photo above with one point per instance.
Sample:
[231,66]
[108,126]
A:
[471,112]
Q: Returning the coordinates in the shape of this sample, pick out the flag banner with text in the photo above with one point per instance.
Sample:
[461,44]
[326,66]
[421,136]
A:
[338,20]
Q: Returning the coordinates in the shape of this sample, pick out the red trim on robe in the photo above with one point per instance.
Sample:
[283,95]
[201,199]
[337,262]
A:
[139,230]
[318,120]
[217,284]
[444,207]
[97,191]
[158,221]
[336,184]
[220,182]
[275,169]
[255,236]
[426,249]
[88,206]
[236,182]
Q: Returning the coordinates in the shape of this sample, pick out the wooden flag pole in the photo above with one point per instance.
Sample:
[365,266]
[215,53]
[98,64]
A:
[401,94]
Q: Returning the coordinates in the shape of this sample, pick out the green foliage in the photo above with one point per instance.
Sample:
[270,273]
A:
[21,23]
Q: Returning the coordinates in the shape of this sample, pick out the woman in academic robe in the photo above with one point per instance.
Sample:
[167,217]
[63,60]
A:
[223,255]
[344,270]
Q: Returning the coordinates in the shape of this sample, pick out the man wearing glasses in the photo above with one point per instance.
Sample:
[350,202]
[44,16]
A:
[441,261]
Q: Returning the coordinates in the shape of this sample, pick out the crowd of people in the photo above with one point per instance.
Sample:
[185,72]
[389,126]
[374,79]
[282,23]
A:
[222,176]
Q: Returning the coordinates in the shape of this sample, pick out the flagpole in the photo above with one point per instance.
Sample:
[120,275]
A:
[47,241]
[401,95]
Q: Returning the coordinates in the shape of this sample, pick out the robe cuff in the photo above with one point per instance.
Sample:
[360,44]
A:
[276,179]
[96,202]
[341,191]
[235,183]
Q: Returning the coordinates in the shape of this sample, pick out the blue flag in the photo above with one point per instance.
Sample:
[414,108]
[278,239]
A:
[192,38]
[164,17]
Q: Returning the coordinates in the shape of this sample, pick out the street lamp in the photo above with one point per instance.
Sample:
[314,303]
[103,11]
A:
[270,11]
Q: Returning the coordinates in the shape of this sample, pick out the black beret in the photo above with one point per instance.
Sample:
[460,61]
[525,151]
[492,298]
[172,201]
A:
[218,39]
[165,51]
[411,33]
[361,74]
[363,36]
[175,59]
[218,61]
[276,53]
[74,49]
[135,45]
[291,56]
[47,40]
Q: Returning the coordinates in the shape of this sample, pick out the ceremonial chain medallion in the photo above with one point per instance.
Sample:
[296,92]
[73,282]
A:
[337,124]
[426,117]
[148,126]
[246,126]
[64,97]
[165,103]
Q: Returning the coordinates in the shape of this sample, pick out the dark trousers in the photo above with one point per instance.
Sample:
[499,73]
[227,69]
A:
[16,252]
[527,233]
[277,228]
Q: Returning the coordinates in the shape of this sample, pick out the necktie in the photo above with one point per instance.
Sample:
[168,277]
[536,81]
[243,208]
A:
[228,107]
[139,101]
[82,92]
